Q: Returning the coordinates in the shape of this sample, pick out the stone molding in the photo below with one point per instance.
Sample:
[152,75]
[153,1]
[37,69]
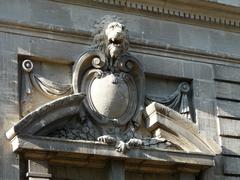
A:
[158,117]
[25,141]
[137,45]
[53,146]
[197,11]
[61,107]
[189,138]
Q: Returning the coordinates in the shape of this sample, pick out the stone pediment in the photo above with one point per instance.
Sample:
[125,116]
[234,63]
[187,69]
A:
[103,116]
[178,130]
[181,135]
[47,116]
[186,145]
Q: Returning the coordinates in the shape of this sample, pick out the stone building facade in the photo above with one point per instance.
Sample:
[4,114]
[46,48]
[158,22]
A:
[189,53]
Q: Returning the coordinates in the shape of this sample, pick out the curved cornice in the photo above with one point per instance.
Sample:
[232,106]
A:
[178,130]
[195,11]
[172,125]
[46,114]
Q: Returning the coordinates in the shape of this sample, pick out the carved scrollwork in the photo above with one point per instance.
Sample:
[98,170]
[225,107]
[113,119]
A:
[110,97]
[27,65]
[45,86]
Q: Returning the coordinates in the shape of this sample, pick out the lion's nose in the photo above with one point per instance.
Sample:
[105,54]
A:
[118,29]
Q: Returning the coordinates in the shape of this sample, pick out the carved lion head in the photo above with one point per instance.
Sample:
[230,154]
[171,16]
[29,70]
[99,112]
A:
[111,37]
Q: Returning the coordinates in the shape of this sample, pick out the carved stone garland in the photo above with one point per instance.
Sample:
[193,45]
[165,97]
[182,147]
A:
[46,87]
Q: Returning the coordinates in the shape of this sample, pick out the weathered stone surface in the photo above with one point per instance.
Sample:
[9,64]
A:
[41,48]
[170,33]
[228,109]
[8,112]
[231,146]
[43,116]
[229,127]
[205,111]
[38,170]
[232,166]
[226,73]
[50,31]
[102,149]
[186,136]
[204,89]
[227,90]
[173,67]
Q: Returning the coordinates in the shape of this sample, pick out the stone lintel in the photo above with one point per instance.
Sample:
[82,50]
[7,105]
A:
[52,148]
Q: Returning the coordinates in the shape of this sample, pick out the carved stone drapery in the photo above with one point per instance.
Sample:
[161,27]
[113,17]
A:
[45,86]
[178,100]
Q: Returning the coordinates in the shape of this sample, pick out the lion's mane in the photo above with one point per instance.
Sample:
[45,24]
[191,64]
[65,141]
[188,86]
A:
[100,39]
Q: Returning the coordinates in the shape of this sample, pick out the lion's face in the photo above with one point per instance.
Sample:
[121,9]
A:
[111,37]
[115,37]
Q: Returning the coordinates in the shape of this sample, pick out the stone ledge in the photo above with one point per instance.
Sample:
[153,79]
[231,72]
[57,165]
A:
[24,143]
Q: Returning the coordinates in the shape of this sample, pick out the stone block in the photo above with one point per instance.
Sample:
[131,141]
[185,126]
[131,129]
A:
[229,127]
[226,73]
[203,71]
[199,40]
[230,146]
[160,65]
[195,70]
[62,52]
[229,109]
[205,116]
[227,90]
[204,89]
[232,166]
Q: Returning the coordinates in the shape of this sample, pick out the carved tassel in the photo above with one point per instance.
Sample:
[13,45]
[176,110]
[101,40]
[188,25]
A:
[184,107]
